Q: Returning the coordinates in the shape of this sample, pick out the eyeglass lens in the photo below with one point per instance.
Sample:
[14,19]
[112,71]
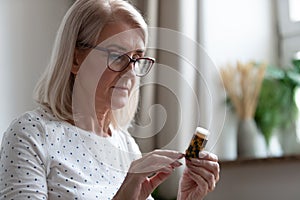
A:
[120,62]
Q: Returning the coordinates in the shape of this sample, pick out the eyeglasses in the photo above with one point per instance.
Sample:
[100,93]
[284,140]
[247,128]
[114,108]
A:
[119,62]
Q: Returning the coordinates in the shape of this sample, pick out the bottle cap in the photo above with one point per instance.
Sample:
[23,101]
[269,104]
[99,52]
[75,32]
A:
[202,132]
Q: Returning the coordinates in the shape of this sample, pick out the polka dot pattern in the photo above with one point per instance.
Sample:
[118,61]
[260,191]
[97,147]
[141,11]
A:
[43,158]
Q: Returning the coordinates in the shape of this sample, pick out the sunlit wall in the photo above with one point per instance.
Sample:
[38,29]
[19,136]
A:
[27,33]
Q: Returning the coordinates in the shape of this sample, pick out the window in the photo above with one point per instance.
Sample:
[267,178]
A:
[294,10]
[289,29]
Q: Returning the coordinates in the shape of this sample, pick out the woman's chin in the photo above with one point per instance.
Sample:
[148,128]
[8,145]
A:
[119,99]
[118,104]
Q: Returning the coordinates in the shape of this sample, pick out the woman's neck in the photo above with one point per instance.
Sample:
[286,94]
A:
[97,123]
[104,120]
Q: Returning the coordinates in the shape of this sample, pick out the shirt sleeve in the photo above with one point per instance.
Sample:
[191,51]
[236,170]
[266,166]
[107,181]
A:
[23,169]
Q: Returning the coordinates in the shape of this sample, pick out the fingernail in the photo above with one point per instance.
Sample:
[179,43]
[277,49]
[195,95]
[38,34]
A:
[201,154]
[188,160]
[177,164]
[181,155]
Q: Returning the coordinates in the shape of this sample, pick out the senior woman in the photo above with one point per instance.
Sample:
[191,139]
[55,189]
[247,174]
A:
[75,145]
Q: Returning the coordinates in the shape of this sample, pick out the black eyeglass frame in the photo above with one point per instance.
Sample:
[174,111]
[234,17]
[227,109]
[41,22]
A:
[131,60]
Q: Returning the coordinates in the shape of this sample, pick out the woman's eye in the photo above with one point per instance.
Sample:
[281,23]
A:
[136,56]
[114,56]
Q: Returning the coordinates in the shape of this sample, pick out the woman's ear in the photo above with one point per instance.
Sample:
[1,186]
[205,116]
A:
[76,62]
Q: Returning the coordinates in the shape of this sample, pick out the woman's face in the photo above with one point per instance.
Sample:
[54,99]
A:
[111,89]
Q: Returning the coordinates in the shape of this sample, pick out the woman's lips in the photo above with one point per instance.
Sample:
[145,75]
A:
[120,88]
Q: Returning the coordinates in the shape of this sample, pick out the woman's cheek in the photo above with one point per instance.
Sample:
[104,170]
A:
[119,99]
[135,84]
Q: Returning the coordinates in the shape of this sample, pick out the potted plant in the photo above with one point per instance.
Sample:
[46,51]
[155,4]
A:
[276,108]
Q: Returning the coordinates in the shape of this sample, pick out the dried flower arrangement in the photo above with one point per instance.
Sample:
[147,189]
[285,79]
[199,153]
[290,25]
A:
[242,84]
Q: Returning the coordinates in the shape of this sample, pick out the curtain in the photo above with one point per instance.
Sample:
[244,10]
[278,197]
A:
[175,98]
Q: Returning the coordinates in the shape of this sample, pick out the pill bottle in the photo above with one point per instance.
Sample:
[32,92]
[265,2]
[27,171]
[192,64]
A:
[197,143]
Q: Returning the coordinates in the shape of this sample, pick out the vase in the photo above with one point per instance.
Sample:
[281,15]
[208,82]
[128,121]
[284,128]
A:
[289,140]
[275,147]
[251,143]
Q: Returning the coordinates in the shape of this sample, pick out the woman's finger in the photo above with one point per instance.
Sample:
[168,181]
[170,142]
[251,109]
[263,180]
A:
[206,175]
[153,163]
[210,166]
[158,178]
[208,156]
[152,182]
[199,180]
[203,177]
[168,153]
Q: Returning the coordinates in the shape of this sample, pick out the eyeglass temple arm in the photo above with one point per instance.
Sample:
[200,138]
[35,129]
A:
[89,46]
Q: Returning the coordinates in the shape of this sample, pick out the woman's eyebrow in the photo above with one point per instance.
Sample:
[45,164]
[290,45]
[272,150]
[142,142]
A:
[115,46]
[122,49]
[140,51]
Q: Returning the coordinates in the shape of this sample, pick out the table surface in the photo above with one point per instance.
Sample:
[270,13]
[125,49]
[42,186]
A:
[244,161]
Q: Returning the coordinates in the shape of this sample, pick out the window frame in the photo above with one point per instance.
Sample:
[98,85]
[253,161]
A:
[289,32]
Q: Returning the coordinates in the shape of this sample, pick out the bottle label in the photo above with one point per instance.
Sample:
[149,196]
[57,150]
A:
[197,144]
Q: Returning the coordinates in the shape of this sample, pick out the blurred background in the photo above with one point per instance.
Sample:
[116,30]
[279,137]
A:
[192,41]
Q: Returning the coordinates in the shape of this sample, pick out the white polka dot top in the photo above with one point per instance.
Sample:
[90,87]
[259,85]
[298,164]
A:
[45,158]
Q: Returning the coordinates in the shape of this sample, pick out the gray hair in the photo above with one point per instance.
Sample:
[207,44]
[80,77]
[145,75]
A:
[83,23]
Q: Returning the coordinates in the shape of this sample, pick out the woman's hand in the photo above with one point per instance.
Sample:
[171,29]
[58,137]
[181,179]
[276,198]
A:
[199,177]
[146,173]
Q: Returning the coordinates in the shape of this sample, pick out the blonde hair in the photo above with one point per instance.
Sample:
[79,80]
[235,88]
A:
[83,23]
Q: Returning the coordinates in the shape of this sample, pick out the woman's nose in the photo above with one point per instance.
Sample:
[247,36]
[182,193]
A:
[130,69]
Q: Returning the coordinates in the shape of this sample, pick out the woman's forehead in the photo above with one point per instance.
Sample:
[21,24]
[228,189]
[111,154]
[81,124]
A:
[121,36]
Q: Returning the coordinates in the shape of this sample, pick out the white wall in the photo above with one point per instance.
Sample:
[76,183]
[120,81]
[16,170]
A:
[235,30]
[28,29]
[240,30]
